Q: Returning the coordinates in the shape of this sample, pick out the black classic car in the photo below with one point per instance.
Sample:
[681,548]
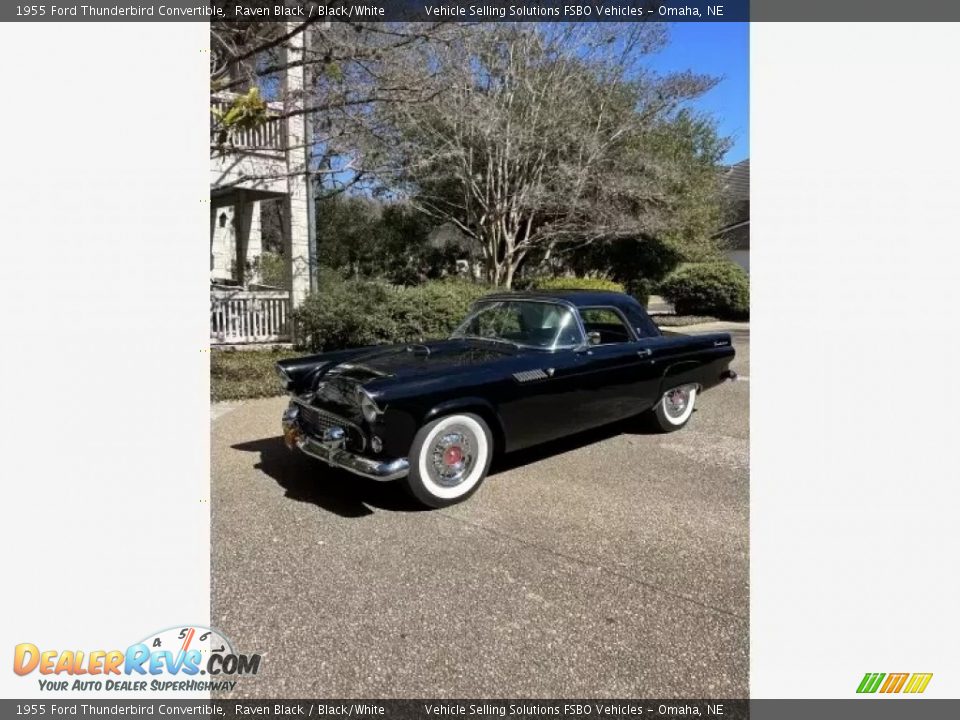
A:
[522,369]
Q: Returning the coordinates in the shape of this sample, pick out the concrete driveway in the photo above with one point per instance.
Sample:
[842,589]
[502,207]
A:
[613,564]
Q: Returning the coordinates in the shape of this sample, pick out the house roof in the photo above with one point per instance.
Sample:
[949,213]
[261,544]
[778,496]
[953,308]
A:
[736,196]
[736,181]
[737,237]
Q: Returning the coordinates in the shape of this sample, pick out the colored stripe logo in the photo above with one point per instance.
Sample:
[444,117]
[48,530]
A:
[894,683]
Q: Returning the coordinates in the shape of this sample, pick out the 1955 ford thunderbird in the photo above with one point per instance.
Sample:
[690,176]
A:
[522,369]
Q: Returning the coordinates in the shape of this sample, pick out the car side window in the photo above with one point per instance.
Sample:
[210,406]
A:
[608,323]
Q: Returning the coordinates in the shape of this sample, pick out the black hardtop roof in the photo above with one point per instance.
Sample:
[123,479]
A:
[579,298]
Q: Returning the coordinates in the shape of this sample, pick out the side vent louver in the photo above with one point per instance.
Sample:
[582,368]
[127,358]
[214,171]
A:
[528,375]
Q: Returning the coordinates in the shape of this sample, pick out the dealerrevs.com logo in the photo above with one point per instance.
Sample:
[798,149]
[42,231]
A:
[910,683]
[181,658]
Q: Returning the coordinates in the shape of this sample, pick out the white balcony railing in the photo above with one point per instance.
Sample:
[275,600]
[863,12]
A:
[245,316]
[270,137]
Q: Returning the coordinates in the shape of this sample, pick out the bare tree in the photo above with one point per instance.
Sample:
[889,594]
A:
[532,139]
[344,65]
[528,136]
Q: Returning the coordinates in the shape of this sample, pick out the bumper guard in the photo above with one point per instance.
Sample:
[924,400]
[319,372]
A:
[330,450]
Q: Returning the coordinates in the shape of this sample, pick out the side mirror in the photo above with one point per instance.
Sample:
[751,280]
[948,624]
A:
[593,338]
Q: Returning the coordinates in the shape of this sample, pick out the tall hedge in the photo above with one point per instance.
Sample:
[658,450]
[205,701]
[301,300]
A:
[575,283]
[353,313]
[720,289]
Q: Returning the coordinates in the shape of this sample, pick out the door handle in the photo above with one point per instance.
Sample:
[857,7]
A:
[646,352]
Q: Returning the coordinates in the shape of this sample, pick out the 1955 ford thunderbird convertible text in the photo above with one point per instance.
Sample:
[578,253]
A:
[522,369]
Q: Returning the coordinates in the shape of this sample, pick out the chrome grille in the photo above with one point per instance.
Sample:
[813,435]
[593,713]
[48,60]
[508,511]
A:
[314,421]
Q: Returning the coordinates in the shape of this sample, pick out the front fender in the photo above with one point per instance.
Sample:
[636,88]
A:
[459,404]
[476,405]
[401,421]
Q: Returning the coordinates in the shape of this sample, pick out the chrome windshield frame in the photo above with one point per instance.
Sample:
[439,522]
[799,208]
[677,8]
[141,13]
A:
[566,304]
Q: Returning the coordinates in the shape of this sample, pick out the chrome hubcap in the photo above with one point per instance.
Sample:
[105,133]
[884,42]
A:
[675,402]
[452,456]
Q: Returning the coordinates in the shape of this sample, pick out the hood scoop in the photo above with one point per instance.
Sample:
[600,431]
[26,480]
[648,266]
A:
[358,372]
[419,350]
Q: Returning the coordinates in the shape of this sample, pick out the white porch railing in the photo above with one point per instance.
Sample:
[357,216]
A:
[245,316]
[270,137]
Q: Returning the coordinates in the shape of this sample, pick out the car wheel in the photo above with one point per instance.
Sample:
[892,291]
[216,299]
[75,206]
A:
[449,459]
[675,408]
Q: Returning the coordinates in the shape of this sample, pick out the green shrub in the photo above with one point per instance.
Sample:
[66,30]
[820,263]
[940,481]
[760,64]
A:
[641,289]
[272,269]
[239,374]
[720,289]
[433,309]
[353,313]
[575,283]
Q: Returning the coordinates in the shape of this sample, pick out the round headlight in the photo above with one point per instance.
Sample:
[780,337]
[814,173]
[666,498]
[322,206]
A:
[284,378]
[368,407]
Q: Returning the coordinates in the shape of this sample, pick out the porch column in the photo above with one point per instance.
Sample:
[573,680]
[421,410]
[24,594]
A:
[298,235]
[222,242]
[254,244]
[242,220]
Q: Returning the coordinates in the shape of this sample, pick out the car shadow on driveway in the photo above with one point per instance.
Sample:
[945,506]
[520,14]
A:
[307,480]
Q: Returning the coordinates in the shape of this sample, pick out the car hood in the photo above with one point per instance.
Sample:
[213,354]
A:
[417,359]
[336,384]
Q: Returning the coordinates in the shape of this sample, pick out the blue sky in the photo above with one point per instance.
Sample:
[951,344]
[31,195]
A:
[719,49]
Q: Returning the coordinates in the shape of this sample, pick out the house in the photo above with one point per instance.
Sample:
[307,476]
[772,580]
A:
[259,169]
[736,234]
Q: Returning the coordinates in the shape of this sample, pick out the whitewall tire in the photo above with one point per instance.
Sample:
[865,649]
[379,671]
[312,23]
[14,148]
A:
[675,408]
[449,458]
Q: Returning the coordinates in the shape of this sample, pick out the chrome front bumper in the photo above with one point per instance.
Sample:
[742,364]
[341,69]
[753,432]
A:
[330,449]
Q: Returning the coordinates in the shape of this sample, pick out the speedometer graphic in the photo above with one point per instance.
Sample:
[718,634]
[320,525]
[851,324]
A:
[179,640]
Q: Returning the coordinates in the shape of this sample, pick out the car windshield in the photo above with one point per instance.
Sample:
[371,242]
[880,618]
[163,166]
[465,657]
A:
[526,323]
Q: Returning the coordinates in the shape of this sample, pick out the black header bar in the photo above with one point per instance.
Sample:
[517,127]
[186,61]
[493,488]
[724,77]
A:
[494,10]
